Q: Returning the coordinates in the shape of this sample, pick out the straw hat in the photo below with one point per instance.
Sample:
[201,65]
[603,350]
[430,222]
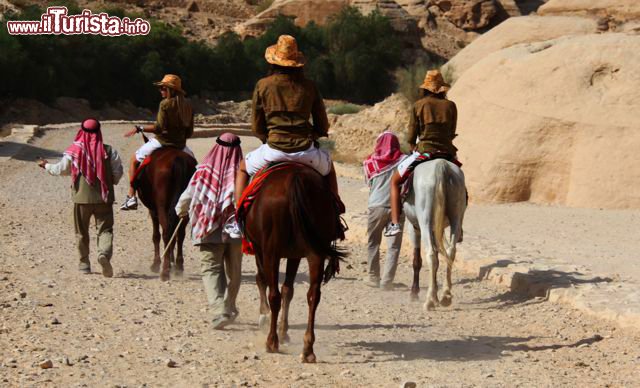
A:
[285,53]
[171,81]
[434,82]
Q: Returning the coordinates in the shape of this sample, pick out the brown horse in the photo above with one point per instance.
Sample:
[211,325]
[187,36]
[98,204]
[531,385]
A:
[159,185]
[294,216]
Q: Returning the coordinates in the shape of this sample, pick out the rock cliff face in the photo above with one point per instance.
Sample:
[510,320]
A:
[547,109]
[440,26]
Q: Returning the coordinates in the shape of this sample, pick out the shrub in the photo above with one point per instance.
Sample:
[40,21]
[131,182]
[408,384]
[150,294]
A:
[345,109]
[408,79]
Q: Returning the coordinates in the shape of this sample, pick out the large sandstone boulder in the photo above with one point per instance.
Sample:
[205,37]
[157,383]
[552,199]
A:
[515,31]
[622,10]
[554,122]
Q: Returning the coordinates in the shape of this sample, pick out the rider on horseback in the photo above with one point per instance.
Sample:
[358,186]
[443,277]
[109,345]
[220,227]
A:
[283,102]
[433,123]
[173,126]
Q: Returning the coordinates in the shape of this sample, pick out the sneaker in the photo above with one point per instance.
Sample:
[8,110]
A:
[107,269]
[221,321]
[232,229]
[131,203]
[84,267]
[373,283]
[392,230]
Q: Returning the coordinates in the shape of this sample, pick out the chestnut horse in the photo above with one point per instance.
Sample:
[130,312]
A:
[294,216]
[159,185]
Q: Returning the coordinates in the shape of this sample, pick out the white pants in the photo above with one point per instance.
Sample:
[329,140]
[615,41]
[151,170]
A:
[152,145]
[313,157]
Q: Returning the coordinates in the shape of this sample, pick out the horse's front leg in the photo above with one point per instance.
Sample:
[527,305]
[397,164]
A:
[155,266]
[287,295]
[417,263]
[262,290]
[271,276]
[313,299]
[447,296]
[432,293]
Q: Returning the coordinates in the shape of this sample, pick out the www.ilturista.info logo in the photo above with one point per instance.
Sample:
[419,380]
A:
[57,21]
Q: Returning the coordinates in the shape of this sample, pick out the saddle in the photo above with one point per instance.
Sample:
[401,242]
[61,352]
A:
[251,193]
[407,179]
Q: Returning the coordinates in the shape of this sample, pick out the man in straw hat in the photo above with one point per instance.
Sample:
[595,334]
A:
[433,124]
[173,126]
[94,168]
[209,202]
[283,104]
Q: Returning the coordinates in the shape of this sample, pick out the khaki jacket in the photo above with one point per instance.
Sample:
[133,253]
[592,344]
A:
[170,130]
[281,109]
[433,123]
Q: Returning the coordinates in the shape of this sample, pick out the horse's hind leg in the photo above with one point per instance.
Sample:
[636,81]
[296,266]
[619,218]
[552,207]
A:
[271,276]
[262,290]
[179,269]
[155,266]
[313,299]
[287,295]
[166,236]
[432,293]
[417,263]
[456,229]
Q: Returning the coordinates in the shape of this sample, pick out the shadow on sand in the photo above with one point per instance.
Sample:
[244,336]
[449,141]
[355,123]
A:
[26,152]
[467,349]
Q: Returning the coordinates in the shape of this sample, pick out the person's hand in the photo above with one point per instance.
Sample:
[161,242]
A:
[131,132]
[42,163]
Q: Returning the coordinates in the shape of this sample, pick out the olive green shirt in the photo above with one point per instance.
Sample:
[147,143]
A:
[433,123]
[282,107]
[170,130]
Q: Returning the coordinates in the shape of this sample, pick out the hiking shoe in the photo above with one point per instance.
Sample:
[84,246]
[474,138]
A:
[131,203]
[373,283]
[221,321]
[392,230]
[107,269]
[232,229]
[84,267]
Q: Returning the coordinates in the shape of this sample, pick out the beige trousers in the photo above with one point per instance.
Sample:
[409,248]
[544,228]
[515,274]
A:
[221,266]
[103,215]
[378,218]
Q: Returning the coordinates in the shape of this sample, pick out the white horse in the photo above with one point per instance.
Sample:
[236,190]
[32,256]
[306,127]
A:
[437,200]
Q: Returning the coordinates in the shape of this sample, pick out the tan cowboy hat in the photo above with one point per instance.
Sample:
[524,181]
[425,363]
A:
[434,82]
[171,81]
[285,53]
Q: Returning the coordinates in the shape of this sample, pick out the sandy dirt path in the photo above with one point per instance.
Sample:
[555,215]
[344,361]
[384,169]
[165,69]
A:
[122,331]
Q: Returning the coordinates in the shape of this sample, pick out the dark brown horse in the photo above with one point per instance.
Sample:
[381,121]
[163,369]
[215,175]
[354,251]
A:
[159,186]
[293,217]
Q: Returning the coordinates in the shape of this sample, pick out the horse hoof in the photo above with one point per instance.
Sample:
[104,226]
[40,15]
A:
[446,301]
[414,297]
[284,338]
[164,276]
[430,306]
[272,348]
[308,359]
[155,268]
[263,323]
[178,272]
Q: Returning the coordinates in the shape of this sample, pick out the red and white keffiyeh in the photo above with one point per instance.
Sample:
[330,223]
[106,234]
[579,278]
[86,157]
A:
[213,186]
[88,156]
[386,156]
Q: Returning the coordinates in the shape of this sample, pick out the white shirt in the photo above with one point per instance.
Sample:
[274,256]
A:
[63,167]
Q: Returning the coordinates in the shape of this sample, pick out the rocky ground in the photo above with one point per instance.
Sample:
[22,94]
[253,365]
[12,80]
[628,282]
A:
[59,328]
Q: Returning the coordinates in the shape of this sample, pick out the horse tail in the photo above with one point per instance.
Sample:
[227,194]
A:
[301,214]
[439,207]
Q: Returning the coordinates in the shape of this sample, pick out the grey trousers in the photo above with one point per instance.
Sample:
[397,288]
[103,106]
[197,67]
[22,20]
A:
[221,266]
[379,217]
[103,215]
